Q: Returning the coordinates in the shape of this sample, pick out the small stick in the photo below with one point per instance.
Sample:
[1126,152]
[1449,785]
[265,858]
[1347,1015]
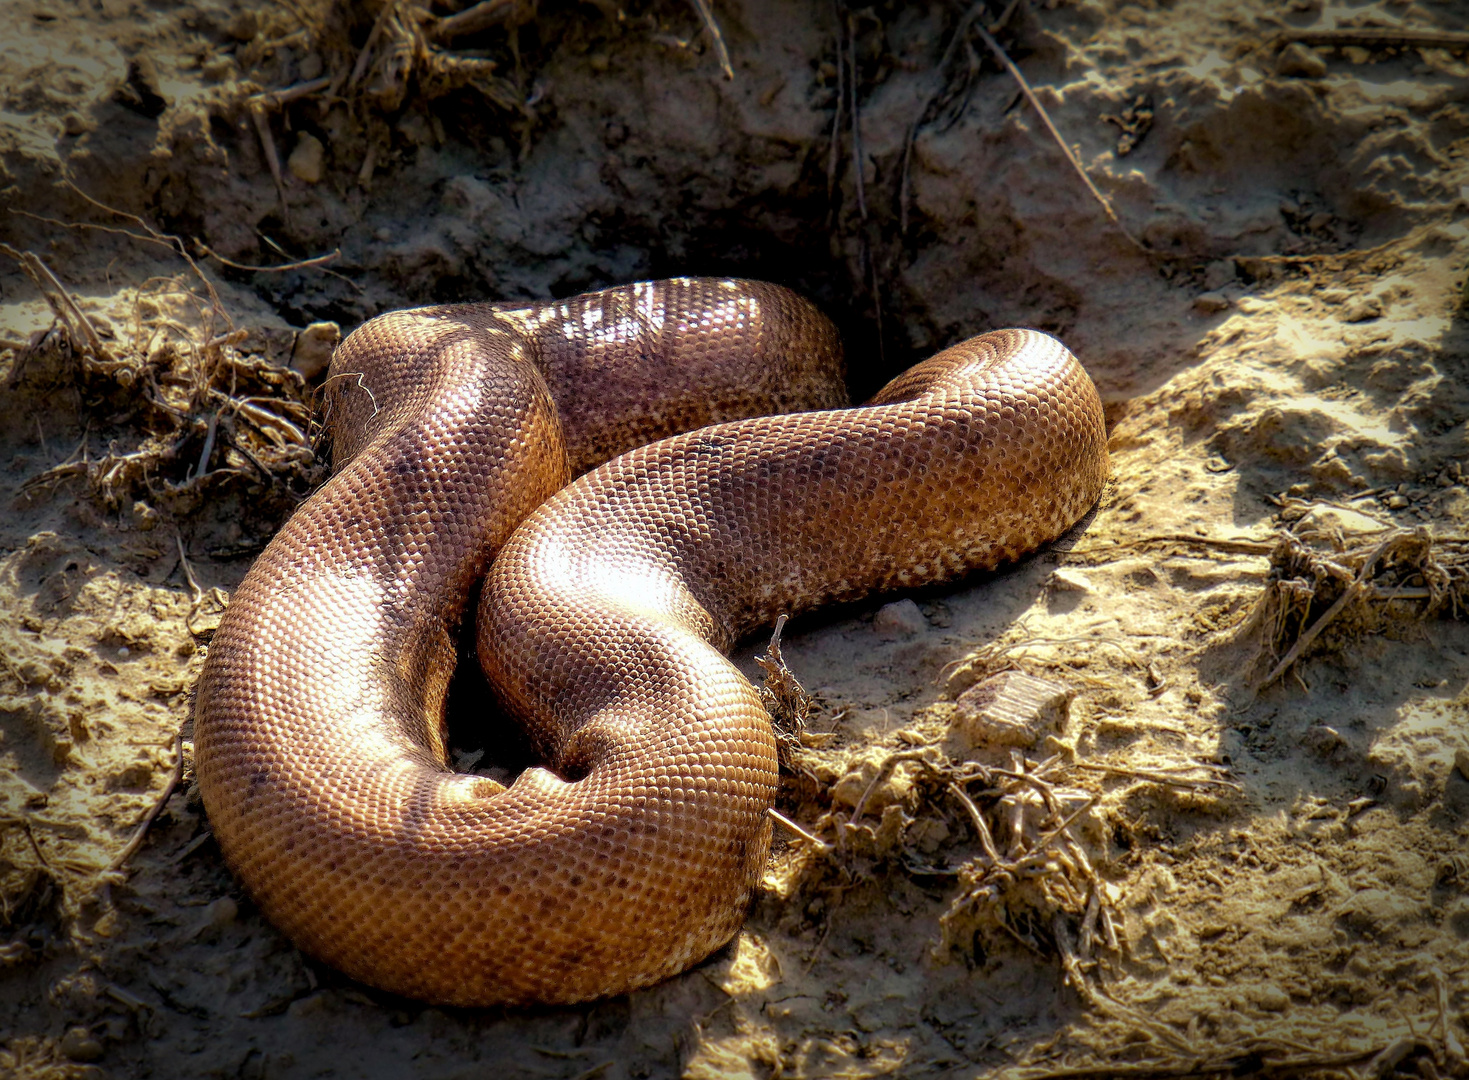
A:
[208,444]
[167,240]
[37,270]
[471,20]
[1453,1048]
[1156,777]
[1349,593]
[789,824]
[142,830]
[303,264]
[1370,37]
[883,773]
[1003,58]
[267,145]
[960,31]
[981,829]
[711,25]
[1034,856]
[360,68]
[274,99]
[198,593]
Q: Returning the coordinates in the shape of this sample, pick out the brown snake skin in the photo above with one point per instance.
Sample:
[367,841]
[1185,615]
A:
[319,737]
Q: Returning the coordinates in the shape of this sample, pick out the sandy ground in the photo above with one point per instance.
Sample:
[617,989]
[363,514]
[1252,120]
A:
[1228,874]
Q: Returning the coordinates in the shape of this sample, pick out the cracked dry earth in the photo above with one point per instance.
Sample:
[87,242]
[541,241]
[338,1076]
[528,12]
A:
[1066,822]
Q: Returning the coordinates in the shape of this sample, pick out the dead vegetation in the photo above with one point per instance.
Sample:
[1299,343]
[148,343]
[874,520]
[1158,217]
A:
[194,403]
[1325,591]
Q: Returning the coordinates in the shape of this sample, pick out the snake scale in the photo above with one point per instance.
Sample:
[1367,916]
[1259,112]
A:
[633,849]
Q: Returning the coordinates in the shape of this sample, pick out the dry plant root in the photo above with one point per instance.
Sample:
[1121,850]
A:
[1325,594]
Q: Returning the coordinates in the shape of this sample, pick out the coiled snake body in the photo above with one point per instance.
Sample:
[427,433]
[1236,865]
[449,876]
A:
[633,853]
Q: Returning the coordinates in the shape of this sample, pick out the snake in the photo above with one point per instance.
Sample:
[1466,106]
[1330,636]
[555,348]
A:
[606,493]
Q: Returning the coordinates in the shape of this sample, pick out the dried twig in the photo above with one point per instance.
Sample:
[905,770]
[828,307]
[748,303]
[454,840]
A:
[1009,65]
[1373,37]
[267,146]
[1351,592]
[821,844]
[711,27]
[167,240]
[360,67]
[477,17]
[834,155]
[60,299]
[121,858]
[274,99]
[301,264]
[960,32]
[1155,777]
[783,696]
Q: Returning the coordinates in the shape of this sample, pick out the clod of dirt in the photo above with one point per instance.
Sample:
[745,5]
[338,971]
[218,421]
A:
[1008,709]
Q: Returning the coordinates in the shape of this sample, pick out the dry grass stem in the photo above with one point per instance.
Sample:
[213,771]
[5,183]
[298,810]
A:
[711,27]
[1020,81]
[136,841]
[1372,37]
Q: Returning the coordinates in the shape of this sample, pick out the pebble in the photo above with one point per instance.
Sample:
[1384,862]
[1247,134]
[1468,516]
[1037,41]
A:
[1211,303]
[1271,998]
[79,1044]
[1298,62]
[1362,309]
[1321,739]
[900,618]
[308,160]
[1070,581]
[314,348]
[222,912]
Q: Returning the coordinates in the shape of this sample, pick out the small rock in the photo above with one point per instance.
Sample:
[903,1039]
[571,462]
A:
[1322,740]
[1271,998]
[1298,62]
[79,1044]
[901,618]
[1461,762]
[1397,502]
[1069,581]
[1323,518]
[1010,709]
[222,912]
[1211,303]
[308,160]
[75,123]
[1362,309]
[314,348]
